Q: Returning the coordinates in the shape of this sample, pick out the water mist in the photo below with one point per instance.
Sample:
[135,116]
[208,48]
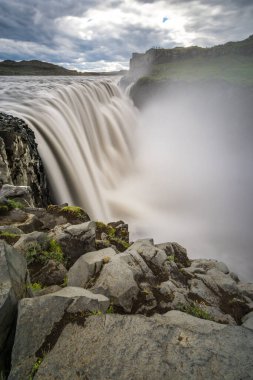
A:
[179,170]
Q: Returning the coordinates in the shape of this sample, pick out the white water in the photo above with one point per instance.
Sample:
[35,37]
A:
[168,174]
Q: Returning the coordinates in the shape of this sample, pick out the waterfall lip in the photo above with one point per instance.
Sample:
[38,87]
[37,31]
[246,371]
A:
[84,130]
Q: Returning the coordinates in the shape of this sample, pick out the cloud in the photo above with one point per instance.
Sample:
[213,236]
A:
[105,32]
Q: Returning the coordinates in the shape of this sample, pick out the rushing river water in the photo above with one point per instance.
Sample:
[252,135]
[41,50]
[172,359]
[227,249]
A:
[171,174]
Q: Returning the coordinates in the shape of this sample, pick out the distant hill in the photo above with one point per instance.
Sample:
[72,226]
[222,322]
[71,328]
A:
[36,67]
[231,62]
[33,67]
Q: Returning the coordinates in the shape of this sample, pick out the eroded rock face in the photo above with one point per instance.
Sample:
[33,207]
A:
[170,346]
[20,160]
[13,287]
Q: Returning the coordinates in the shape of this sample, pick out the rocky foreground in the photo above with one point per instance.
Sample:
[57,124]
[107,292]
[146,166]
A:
[91,305]
[79,301]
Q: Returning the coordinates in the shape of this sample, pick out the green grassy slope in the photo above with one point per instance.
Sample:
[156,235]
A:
[234,69]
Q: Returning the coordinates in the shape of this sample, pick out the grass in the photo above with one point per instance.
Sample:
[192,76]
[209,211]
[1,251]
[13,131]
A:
[234,69]
[35,368]
[36,253]
[35,286]
[196,311]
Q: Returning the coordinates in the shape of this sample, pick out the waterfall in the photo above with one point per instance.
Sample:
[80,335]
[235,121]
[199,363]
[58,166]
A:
[179,170]
[84,132]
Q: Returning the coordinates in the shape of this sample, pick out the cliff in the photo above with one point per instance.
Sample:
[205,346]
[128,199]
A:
[20,163]
[143,64]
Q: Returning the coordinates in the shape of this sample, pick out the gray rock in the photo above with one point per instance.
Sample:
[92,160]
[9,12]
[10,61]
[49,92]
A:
[41,320]
[47,290]
[207,265]
[199,291]
[246,289]
[87,266]
[13,287]
[248,321]
[116,281]
[22,163]
[75,240]
[84,300]
[177,252]
[172,346]
[234,276]
[5,174]
[168,288]
[217,281]
[11,230]
[247,316]
[23,192]
[28,240]
[150,253]
[52,273]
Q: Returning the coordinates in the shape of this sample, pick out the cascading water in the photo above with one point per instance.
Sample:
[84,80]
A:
[84,132]
[180,170]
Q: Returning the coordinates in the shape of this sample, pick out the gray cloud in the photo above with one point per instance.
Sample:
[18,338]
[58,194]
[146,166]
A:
[89,31]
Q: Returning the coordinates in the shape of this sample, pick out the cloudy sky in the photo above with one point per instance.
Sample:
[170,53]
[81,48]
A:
[102,34]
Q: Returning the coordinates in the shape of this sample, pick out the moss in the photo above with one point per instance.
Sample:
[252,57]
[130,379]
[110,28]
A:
[14,204]
[36,253]
[119,242]
[107,229]
[110,310]
[8,234]
[35,368]
[9,237]
[35,286]
[73,210]
[171,258]
[196,311]
[117,237]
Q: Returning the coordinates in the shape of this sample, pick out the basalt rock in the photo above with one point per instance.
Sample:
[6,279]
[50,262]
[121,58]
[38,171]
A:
[170,346]
[14,283]
[20,162]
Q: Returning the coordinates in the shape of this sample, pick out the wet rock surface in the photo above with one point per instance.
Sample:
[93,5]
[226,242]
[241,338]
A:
[21,163]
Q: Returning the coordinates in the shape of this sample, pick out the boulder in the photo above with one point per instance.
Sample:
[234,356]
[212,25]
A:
[247,321]
[75,240]
[88,266]
[55,215]
[47,290]
[52,273]
[246,289]
[13,287]
[171,346]
[116,281]
[32,239]
[41,321]
[22,220]
[18,193]
[177,252]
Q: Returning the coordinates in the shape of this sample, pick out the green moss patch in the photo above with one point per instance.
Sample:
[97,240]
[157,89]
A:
[196,311]
[37,253]
[113,236]
[9,237]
